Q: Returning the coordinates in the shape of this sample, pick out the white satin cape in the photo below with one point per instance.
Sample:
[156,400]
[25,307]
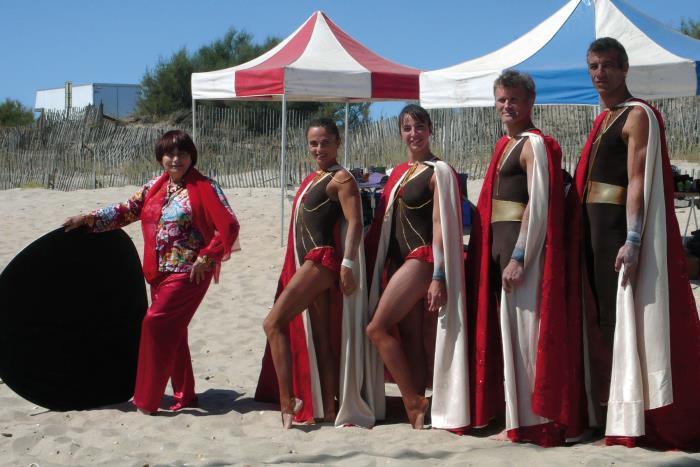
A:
[354,409]
[641,362]
[520,309]
[450,401]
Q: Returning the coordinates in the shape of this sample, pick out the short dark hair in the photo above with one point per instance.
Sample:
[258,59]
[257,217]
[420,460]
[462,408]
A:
[606,44]
[417,113]
[516,79]
[324,122]
[176,140]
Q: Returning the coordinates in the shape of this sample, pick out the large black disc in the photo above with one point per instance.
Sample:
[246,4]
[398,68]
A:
[70,318]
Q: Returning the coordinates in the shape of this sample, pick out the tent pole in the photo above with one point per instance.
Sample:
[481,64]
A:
[345,145]
[194,120]
[282,178]
[446,135]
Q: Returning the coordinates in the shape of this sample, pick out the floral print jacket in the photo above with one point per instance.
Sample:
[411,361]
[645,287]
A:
[177,239]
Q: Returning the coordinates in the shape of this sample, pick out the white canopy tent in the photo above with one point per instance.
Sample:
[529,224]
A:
[317,62]
[663,62]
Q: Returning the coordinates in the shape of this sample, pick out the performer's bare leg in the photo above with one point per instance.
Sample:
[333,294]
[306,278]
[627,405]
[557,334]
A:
[407,287]
[319,312]
[411,329]
[307,283]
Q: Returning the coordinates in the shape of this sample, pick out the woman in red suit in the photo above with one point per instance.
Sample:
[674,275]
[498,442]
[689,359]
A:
[188,229]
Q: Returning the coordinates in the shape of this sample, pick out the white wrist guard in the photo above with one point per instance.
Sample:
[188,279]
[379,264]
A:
[348,263]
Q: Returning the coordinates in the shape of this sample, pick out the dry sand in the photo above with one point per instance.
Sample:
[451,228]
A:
[227,343]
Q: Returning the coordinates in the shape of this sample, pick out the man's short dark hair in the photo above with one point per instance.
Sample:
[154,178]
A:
[516,79]
[606,44]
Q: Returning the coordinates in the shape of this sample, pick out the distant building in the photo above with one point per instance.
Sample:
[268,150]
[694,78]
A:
[118,100]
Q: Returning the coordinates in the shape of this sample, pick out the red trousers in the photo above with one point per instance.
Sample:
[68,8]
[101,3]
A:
[163,350]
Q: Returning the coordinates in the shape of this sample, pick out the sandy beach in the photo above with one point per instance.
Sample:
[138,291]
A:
[227,342]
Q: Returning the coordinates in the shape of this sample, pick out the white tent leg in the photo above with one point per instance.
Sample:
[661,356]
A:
[282,177]
[345,145]
[447,135]
[194,120]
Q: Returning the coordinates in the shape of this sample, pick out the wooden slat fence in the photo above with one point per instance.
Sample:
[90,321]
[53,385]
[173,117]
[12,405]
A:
[240,146]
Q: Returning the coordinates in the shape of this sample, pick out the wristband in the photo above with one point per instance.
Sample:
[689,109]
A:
[518,255]
[633,238]
[439,274]
[348,263]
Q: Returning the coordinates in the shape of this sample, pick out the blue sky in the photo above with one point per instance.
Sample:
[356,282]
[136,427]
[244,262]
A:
[44,43]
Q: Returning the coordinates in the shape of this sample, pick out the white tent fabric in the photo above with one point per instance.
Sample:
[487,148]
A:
[654,70]
[663,62]
[470,84]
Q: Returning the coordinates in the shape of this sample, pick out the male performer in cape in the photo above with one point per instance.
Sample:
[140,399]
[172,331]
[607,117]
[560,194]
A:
[516,278]
[627,277]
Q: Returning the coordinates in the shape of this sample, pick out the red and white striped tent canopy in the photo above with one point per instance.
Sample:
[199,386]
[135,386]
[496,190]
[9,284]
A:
[319,61]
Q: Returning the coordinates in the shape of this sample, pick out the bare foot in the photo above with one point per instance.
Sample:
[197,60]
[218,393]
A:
[416,412]
[289,410]
[502,436]
[599,442]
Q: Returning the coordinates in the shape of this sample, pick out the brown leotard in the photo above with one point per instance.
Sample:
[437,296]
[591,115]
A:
[605,224]
[412,225]
[610,164]
[317,216]
[510,185]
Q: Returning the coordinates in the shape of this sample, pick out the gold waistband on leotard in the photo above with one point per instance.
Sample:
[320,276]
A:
[606,193]
[502,211]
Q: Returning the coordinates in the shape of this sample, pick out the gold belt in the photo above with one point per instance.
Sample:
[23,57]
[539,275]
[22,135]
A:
[502,211]
[605,193]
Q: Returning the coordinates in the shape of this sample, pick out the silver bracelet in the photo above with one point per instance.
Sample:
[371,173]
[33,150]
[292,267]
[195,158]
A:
[348,263]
